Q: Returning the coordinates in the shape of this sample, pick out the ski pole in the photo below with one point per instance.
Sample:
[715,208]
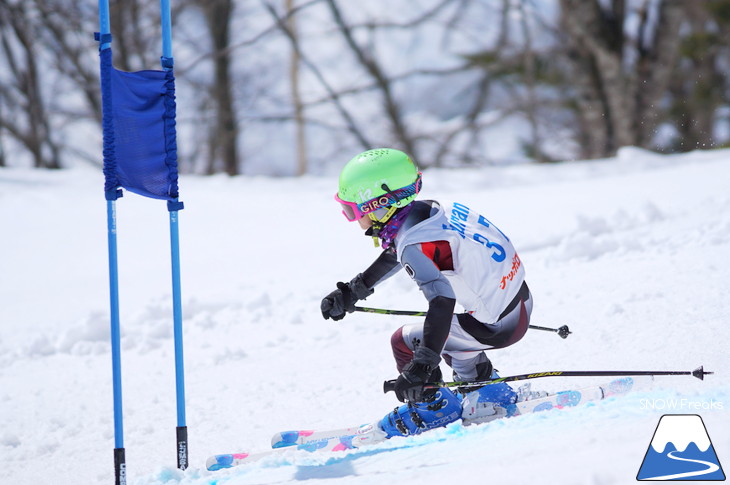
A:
[699,373]
[563,331]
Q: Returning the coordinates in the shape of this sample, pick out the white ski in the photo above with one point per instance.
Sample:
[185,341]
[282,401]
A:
[299,437]
[218,462]
[476,414]
[342,438]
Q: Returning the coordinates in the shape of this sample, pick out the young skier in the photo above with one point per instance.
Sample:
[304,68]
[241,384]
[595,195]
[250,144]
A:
[455,255]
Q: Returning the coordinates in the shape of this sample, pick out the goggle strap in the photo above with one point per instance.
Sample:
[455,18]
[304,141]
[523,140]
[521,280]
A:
[389,214]
[384,219]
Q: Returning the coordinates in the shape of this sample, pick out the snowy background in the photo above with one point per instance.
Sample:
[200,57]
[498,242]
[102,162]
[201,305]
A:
[632,253]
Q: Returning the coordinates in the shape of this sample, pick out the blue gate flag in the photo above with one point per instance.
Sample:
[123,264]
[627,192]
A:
[140,147]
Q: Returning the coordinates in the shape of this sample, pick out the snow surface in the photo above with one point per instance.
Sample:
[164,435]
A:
[631,252]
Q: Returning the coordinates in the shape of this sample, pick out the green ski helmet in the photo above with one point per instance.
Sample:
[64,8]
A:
[377,179]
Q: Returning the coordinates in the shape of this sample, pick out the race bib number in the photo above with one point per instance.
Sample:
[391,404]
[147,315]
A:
[470,225]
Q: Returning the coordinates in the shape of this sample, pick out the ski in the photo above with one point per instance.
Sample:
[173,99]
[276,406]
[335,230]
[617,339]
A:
[558,400]
[564,399]
[299,437]
[341,439]
[219,462]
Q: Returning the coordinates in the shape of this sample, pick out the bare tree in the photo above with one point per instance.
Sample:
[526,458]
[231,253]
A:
[699,86]
[299,121]
[372,66]
[529,63]
[620,79]
[612,73]
[225,131]
[3,163]
[135,27]
[490,65]
[25,117]
[62,25]
[333,96]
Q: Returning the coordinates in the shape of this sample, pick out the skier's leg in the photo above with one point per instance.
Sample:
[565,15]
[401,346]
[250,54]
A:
[507,330]
[469,365]
[464,352]
[460,350]
[405,340]
[403,346]
[468,334]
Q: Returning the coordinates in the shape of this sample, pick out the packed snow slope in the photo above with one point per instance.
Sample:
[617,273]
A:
[632,253]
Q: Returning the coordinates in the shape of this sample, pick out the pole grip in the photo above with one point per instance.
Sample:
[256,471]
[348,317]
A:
[388,386]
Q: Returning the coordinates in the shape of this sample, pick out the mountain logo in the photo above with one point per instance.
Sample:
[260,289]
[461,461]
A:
[681,450]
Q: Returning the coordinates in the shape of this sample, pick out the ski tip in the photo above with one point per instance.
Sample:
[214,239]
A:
[219,462]
[618,386]
[289,438]
[700,373]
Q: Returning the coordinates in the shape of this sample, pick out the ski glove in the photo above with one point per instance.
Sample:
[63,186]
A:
[342,300]
[418,372]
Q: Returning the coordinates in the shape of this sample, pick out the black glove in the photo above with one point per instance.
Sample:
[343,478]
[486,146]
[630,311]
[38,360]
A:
[422,370]
[342,300]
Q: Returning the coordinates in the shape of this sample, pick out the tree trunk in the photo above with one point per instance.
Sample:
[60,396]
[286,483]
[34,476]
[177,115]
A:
[656,68]
[531,108]
[224,138]
[32,127]
[620,90]
[698,90]
[299,124]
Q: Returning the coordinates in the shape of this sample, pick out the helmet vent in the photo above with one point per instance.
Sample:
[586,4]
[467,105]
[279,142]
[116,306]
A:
[377,153]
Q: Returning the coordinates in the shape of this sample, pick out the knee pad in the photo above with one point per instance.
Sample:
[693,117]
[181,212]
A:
[409,419]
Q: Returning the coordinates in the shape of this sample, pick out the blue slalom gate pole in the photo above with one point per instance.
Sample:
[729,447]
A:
[166,20]
[120,465]
[173,207]
[181,430]
[141,106]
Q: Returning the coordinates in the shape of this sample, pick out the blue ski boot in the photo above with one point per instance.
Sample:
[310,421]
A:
[442,408]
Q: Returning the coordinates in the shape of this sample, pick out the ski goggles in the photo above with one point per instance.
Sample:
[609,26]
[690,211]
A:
[354,211]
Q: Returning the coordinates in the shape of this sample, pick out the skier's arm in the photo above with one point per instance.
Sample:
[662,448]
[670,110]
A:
[382,268]
[342,301]
[439,293]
